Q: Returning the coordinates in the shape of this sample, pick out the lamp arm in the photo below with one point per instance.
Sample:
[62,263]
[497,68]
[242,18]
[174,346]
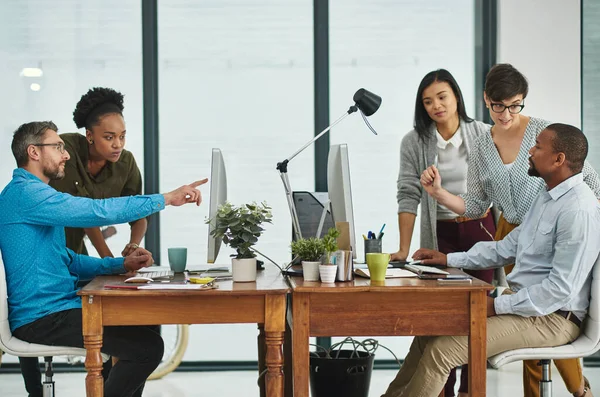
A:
[282,166]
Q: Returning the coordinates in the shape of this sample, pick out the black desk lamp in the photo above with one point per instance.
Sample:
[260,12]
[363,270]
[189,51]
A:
[367,103]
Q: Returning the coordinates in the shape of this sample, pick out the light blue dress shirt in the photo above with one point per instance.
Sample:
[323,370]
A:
[554,250]
[41,273]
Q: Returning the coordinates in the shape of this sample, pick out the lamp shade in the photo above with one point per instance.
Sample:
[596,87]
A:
[366,101]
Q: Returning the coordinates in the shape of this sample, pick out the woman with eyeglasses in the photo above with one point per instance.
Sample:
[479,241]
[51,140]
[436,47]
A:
[99,168]
[498,173]
[442,131]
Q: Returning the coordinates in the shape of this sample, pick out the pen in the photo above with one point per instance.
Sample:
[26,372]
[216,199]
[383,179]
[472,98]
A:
[380,235]
[365,237]
[371,235]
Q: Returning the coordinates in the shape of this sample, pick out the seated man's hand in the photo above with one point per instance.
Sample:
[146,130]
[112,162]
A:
[430,257]
[185,194]
[138,259]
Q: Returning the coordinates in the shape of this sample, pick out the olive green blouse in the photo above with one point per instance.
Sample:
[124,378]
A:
[122,178]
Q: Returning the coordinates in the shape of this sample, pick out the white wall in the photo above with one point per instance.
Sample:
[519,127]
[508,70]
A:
[542,39]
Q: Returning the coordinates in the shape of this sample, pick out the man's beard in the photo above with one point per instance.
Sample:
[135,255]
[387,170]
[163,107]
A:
[54,173]
[532,171]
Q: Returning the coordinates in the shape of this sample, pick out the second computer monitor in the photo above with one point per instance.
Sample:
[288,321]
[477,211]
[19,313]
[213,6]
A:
[340,191]
[218,195]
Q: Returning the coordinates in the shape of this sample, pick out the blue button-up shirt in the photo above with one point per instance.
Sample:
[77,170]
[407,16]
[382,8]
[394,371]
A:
[554,250]
[41,273]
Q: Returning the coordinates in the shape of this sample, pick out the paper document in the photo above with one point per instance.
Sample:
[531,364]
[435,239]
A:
[174,286]
[389,273]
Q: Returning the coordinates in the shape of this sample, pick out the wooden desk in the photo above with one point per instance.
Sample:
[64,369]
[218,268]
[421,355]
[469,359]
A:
[262,302]
[404,306]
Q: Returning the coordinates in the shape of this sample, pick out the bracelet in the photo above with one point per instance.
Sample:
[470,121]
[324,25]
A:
[134,245]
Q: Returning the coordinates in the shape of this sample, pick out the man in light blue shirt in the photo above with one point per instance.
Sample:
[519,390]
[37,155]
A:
[554,250]
[42,274]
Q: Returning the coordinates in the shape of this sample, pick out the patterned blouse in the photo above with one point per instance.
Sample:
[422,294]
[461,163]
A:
[511,189]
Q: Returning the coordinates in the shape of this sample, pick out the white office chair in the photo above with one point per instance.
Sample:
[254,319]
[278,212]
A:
[586,344]
[16,347]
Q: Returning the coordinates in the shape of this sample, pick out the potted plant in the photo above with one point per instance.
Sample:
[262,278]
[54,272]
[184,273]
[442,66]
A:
[310,251]
[240,227]
[328,270]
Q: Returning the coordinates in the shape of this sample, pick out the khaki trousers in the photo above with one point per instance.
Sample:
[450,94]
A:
[569,369]
[430,358]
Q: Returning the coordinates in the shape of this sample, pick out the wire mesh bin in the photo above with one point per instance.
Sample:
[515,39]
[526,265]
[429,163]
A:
[343,372]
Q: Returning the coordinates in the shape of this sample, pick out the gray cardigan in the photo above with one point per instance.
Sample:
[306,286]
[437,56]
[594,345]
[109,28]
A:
[415,156]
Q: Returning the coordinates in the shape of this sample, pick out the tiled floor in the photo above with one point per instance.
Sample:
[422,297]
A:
[503,382]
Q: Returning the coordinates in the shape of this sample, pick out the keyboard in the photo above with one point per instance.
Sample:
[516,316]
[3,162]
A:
[157,274]
[425,269]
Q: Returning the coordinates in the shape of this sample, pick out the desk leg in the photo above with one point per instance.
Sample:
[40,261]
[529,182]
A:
[287,356]
[477,344]
[300,348]
[261,359]
[274,330]
[92,341]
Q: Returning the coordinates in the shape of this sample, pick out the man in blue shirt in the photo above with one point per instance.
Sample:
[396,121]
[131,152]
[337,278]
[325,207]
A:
[554,251]
[42,274]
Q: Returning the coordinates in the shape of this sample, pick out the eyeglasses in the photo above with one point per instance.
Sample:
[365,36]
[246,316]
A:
[512,109]
[60,146]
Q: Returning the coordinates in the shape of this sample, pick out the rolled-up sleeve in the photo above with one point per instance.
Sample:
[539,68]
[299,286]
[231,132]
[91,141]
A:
[487,254]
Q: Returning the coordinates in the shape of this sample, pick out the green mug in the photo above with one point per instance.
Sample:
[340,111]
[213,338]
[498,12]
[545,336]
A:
[377,263]
[177,259]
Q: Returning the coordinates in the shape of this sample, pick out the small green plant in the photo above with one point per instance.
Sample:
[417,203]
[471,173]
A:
[309,250]
[240,227]
[330,242]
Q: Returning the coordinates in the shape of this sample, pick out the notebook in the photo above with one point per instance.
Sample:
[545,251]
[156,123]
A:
[389,273]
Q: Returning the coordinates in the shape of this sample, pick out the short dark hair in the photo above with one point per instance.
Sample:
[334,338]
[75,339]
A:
[572,142]
[504,81]
[29,134]
[96,103]
[422,119]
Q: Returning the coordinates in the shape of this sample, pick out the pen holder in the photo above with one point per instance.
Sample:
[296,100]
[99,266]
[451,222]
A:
[372,245]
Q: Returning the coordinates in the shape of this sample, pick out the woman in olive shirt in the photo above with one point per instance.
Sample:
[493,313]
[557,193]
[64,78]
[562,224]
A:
[99,168]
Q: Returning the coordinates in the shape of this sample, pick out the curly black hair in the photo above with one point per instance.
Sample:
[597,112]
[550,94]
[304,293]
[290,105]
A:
[96,103]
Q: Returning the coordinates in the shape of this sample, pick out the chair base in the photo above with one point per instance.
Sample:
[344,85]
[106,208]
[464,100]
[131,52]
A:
[545,382]
[48,384]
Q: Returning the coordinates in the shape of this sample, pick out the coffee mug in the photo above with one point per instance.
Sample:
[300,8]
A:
[377,264]
[177,259]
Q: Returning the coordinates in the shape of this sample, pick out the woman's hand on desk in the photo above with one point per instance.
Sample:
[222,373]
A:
[138,259]
[185,194]
[398,256]
[430,257]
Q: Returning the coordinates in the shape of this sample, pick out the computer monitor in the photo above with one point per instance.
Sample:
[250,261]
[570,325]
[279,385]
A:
[340,192]
[218,195]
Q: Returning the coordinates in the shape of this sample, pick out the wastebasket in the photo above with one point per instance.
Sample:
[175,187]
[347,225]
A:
[341,373]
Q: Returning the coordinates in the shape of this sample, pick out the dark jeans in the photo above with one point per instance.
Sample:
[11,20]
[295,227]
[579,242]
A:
[460,237]
[139,349]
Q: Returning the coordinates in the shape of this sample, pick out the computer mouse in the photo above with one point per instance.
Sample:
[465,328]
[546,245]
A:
[138,279]
[417,262]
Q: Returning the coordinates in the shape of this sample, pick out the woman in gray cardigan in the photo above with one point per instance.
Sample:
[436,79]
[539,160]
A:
[443,135]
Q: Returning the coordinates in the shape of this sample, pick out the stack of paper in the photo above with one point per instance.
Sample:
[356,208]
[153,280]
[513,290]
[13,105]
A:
[389,273]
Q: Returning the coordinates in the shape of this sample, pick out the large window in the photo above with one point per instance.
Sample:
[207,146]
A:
[387,47]
[238,77]
[51,53]
[590,78]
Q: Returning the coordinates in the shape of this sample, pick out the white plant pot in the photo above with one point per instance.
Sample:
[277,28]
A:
[243,270]
[310,270]
[328,273]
